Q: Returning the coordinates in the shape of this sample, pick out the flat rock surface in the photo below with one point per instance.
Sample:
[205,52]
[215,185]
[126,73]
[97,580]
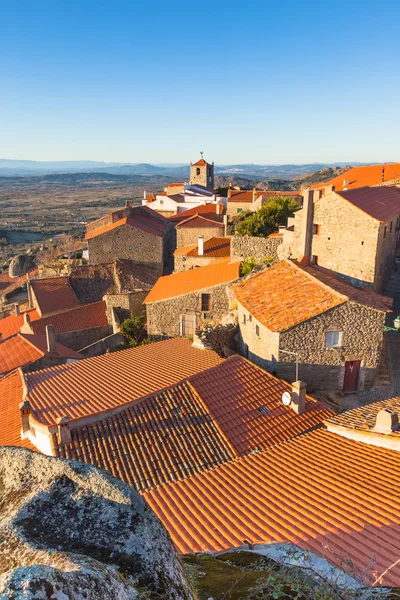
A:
[69,531]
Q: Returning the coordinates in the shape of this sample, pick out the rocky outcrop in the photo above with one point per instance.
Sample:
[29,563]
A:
[21,264]
[69,531]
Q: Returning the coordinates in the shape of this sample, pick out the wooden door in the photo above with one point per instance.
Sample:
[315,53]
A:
[188,325]
[351,375]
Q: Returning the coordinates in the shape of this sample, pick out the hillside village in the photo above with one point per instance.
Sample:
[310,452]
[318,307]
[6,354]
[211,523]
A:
[247,385]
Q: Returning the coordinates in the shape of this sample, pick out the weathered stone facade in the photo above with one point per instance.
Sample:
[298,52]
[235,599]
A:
[164,318]
[125,304]
[202,173]
[185,236]
[347,241]
[83,337]
[235,208]
[243,247]
[320,367]
[184,263]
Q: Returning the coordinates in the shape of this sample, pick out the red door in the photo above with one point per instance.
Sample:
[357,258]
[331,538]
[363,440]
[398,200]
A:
[351,375]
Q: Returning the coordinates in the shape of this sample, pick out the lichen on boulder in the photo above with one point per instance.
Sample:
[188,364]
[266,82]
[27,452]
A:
[21,264]
[69,531]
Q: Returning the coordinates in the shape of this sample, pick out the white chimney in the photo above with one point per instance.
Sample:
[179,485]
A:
[64,433]
[17,309]
[225,221]
[144,194]
[386,421]
[218,209]
[200,245]
[345,182]
[51,338]
[299,390]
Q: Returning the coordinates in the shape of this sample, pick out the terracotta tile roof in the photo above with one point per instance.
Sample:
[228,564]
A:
[241,196]
[12,324]
[148,225]
[287,294]
[236,390]
[200,222]
[23,349]
[328,495]
[162,438]
[53,294]
[208,211]
[381,203]
[363,418]
[361,176]
[102,383]
[8,283]
[200,163]
[10,416]
[193,280]
[84,316]
[216,247]
[246,196]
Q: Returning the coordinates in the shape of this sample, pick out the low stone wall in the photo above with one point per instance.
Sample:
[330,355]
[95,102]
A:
[107,344]
[82,338]
[243,247]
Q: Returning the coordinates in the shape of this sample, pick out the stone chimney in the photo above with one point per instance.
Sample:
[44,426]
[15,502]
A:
[51,338]
[383,174]
[386,421]
[307,227]
[25,409]
[17,309]
[218,209]
[328,189]
[200,245]
[254,194]
[299,390]
[144,194]
[225,222]
[64,433]
[345,182]
[30,294]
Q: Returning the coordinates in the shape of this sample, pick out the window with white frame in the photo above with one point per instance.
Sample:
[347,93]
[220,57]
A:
[333,339]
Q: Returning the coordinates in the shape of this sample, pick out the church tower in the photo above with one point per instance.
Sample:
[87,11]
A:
[202,173]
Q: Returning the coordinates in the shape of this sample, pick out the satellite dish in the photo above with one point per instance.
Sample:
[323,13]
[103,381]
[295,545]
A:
[286,398]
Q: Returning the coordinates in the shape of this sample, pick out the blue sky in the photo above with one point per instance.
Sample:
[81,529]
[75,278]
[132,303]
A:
[256,81]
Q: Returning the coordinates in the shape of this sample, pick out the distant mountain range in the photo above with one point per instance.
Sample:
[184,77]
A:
[26,168]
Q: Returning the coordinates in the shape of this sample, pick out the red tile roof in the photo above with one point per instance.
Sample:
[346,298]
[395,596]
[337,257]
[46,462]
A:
[199,222]
[246,196]
[322,492]
[53,294]
[363,418]
[84,316]
[208,211]
[381,203]
[23,349]
[200,163]
[236,390]
[158,439]
[102,383]
[13,323]
[216,247]
[8,283]
[193,280]
[146,224]
[362,176]
[287,294]
[10,415]
[241,196]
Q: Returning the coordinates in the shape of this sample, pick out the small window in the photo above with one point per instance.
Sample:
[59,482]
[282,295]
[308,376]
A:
[131,248]
[384,232]
[161,201]
[244,319]
[316,229]
[314,259]
[239,210]
[257,330]
[198,171]
[362,243]
[391,227]
[333,339]
[250,318]
[206,302]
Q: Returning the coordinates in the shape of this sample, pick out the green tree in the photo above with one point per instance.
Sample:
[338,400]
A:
[132,329]
[267,219]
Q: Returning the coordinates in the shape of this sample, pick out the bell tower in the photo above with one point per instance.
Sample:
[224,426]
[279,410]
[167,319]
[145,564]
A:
[202,173]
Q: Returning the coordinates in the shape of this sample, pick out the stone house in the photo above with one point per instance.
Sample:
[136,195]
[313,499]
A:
[182,302]
[244,247]
[290,312]
[252,200]
[137,233]
[354,233]
[202,253]
[189,230]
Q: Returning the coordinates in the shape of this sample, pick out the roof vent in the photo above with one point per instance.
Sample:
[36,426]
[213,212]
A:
[386,421]
[263,410]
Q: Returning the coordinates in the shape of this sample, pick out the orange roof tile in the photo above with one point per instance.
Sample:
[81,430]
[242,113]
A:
[10,415]
[193,280]
[287,294]
[102,383]
[241,196]
[148,225]
[200,163]
[209,211]
[216,247]
[23,349]
[363,418]
[158,439]
[84,316]
[246,402]
[53,294]
[199,221]
[335,497]
[13,323]
[361,176]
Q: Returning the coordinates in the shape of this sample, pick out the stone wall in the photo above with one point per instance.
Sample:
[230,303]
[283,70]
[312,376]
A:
[82,338]
[260,345]
[235,208]
[107,344]
[128,243]
[163,318]
[126,304]
[184,263]
[243,247]
[185,236]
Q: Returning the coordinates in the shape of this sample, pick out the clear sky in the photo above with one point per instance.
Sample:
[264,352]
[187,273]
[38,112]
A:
[257,81]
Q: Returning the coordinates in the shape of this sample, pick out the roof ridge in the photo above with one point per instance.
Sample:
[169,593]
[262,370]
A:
[22,335]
